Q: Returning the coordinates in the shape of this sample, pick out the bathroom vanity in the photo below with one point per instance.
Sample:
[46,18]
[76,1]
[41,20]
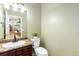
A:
[25,50]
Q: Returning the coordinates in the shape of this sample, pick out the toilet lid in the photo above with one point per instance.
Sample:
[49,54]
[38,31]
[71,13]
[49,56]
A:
[41,50]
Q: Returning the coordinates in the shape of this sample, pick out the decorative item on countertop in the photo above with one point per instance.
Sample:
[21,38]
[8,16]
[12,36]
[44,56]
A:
[35,35]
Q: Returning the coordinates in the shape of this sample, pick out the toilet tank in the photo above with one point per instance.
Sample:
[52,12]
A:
[36,42]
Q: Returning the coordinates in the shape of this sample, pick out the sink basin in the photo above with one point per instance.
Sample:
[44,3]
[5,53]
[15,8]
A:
[13,44]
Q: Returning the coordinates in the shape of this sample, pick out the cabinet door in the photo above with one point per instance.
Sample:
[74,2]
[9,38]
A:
[24,51]
[27,51]
[3,54]
[11,53]
[8,53]
[19,51]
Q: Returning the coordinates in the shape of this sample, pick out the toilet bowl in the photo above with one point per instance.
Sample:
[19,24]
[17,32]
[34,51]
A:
[39,51]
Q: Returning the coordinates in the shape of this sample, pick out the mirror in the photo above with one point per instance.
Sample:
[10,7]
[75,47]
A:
[13,26]
[9,17]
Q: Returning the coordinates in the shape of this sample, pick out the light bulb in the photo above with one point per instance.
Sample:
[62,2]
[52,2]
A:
[15,7]
[23,9]
[7,6]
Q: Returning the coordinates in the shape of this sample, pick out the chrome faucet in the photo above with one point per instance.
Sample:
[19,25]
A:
[14,39]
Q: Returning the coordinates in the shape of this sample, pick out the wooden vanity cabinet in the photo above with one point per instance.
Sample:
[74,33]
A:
[8,53]
[22,51]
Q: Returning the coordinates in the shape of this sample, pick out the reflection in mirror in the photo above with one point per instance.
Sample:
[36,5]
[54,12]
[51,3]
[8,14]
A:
[13,26]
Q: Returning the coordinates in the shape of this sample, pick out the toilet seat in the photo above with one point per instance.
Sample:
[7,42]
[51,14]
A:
[40,51]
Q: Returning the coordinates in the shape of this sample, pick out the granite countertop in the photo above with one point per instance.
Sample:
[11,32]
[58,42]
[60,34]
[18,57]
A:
[28,42]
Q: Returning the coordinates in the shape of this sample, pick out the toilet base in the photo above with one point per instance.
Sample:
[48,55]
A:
[40,51]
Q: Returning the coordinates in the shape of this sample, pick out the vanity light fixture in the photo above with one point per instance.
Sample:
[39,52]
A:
[22,8]
[7,6]
[15,6]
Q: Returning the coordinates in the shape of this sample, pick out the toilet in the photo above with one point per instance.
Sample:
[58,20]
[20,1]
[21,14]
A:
[39,51]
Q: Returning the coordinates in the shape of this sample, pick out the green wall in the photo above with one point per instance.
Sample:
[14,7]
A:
[1,19]
[33,18]
[60,28]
